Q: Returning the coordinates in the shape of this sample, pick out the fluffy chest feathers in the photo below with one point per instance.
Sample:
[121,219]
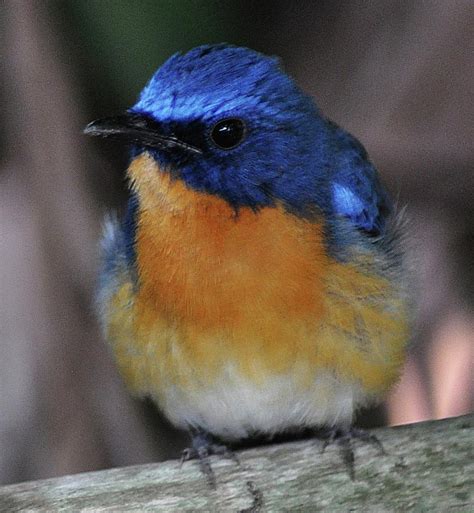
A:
[203,264]
[247,308]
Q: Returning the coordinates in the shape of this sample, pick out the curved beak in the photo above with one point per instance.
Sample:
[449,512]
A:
[137,129]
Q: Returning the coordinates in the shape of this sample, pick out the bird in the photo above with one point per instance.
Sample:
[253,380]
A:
[257,282]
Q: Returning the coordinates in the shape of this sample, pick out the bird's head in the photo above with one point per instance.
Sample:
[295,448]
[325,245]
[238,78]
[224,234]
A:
[228,121]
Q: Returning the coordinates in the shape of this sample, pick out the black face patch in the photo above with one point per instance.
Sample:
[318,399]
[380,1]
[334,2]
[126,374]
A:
[191,132]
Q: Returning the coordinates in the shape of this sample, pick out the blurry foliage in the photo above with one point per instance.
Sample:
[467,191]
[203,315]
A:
[125,42]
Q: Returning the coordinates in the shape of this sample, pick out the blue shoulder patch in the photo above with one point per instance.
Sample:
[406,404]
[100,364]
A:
[357,193]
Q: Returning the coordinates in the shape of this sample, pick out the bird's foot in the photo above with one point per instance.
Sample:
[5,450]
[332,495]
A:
[345,438]
[202,447]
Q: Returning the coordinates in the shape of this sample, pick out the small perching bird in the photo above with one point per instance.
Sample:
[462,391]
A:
[256,284]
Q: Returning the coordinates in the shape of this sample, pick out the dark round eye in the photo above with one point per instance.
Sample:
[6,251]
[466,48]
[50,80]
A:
[228,133]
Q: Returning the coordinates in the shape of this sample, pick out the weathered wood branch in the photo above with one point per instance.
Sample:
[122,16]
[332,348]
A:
[428,467]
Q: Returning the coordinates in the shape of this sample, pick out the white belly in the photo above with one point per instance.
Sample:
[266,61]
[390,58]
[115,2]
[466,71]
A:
[235,408]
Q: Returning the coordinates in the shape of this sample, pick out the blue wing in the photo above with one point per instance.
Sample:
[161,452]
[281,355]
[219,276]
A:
[356,190]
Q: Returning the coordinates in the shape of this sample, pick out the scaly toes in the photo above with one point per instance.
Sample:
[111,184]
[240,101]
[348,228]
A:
[345,440]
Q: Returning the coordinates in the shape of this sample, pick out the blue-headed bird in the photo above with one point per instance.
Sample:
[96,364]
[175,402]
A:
[256,283]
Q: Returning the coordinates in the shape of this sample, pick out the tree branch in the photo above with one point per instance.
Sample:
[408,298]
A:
[428,467]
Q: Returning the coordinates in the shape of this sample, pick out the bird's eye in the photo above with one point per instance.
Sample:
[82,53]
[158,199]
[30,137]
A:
[228,133]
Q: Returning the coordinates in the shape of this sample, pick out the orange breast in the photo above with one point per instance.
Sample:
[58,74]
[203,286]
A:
[253,290]
[202,264]
[249,279]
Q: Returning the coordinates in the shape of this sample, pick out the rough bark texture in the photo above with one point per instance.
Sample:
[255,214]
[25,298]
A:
[428,467]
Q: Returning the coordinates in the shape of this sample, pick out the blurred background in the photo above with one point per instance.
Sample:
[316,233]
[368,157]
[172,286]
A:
[397,74]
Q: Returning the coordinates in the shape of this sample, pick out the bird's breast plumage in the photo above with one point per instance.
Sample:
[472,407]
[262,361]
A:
[251,301]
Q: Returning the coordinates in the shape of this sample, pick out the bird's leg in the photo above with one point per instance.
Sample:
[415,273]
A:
[344,437]
[204,445]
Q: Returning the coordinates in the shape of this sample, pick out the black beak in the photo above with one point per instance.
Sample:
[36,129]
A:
[137,129]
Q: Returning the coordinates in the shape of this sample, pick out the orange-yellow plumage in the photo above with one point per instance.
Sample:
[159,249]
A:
[256,293]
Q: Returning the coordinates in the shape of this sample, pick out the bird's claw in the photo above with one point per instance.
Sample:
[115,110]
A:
[202,448]
[345,440]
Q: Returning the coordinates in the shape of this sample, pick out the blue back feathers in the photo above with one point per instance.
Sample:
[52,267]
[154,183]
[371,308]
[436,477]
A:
[356,191]
[291,154]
